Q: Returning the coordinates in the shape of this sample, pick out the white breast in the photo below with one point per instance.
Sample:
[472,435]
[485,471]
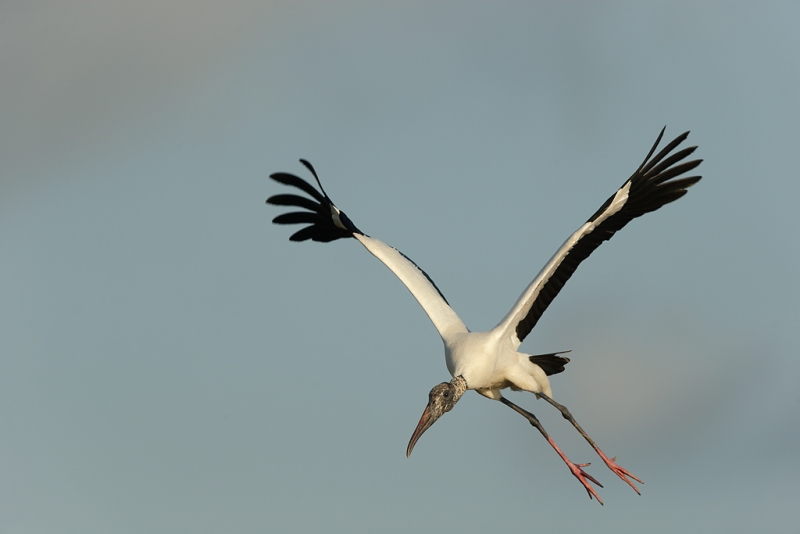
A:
[480,357]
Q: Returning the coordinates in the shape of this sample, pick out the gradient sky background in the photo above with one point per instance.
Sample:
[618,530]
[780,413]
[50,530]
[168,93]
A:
[169,362]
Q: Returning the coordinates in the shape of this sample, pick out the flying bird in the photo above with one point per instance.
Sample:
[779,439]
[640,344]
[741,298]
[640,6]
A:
[489,362]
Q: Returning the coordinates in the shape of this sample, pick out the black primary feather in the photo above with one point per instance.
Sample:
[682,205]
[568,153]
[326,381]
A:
[320,214]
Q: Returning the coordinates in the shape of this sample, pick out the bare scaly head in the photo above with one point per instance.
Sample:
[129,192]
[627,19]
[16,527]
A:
[441,400]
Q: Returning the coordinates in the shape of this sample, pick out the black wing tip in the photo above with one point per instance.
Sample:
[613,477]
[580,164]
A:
[283,177]
[320,215]
[680,138]
[310,167]
[649,163]
[655,145]
[274,200]
[667,164]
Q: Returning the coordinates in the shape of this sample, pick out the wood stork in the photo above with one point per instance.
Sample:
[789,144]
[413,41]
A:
[489,362]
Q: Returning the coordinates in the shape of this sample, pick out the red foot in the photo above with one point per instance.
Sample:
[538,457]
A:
[620,471]
[579,473]
[582,475]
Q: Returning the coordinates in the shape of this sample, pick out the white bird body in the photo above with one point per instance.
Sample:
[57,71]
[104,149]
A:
[489,362]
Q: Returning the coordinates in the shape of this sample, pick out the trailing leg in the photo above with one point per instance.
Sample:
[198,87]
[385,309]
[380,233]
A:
[620,471]
[574,468]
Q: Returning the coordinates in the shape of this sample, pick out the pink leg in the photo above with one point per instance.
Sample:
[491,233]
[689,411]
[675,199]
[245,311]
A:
[574,468]
[620,471]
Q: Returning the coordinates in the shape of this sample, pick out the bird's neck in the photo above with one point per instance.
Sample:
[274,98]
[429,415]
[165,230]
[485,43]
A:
[459,386]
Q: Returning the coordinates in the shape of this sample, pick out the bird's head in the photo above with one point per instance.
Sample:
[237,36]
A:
[441,400]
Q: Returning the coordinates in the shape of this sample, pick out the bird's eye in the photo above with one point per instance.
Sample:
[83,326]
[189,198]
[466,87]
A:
[446,394]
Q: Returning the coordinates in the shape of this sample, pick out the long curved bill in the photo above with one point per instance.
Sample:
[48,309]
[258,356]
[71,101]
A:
[424,424]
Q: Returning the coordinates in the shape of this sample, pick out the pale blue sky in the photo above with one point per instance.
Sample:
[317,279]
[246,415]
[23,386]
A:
[169,362]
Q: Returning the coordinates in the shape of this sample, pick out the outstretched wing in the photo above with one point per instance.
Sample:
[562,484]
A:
[654,184]
[327,223]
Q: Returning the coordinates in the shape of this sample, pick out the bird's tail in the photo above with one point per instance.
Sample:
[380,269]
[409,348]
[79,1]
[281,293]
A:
[552,363]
